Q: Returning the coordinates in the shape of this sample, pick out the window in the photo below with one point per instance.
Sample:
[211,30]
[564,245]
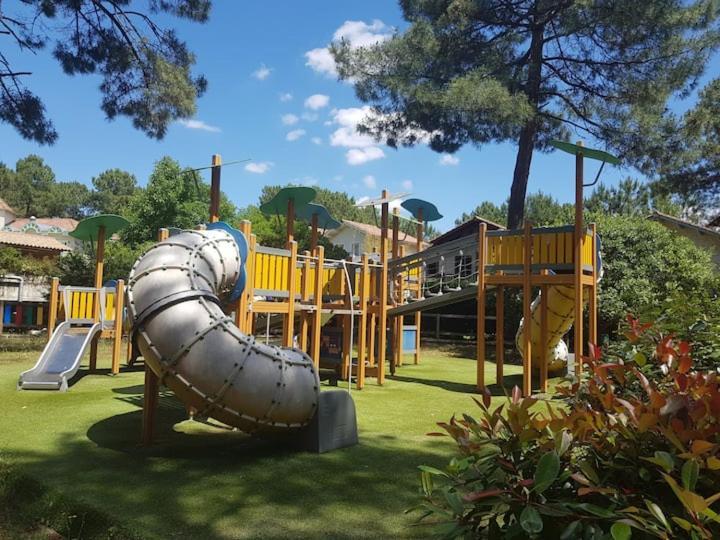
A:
[356,249]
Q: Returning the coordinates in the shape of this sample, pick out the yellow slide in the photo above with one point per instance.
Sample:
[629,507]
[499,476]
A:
[561,308]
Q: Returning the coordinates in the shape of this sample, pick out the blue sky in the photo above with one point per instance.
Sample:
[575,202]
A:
[266,103]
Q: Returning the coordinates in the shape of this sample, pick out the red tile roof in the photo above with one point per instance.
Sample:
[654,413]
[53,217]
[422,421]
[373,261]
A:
[34,241]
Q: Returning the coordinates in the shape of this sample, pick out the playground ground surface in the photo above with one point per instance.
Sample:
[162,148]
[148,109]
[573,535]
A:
[77,453]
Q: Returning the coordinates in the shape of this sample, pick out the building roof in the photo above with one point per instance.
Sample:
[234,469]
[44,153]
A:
[372,230]
[32,241]
[682,224]
[45,224]
[466,229]
[6,207]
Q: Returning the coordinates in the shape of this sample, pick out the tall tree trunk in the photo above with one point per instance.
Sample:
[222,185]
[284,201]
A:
[526,141]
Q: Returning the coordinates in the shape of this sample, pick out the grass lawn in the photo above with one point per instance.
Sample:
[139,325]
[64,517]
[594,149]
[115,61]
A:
[205,482]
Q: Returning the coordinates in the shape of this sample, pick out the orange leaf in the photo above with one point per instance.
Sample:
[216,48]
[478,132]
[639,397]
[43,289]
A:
[700,447]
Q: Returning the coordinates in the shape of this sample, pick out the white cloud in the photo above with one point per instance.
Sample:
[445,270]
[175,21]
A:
[362,199]
[317,101]
[358,156]
[199,124]
[357,34]
[294,135]
[369,181]
[407,185]
[347,135]
[309,117]
[262,73]
[285,97]
[259,167]
[316,140]
[289,119]
[449,159]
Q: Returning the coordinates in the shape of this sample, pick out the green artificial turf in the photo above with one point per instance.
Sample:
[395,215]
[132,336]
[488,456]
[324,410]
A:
[200,481]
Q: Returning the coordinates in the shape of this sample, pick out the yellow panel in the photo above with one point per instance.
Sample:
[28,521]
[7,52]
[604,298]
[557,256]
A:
[569,256]
[269,272]
[552,248]
[109,305]
[75,305]
[40,312]
[81,308]
[536,249]
[89,305]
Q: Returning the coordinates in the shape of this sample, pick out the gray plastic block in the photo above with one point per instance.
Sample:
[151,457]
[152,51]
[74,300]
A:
[333,426]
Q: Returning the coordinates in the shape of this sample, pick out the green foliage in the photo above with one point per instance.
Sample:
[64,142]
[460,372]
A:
[76,268]
[629,198]
[145,68]
[528,71]
[650,269]
[173,197]
[541,209]
[113,190]
[14,262]
[628,456]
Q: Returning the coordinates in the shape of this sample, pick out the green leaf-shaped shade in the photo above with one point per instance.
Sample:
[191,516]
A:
[591,153]
[429,210]
[88,228]
[279,203]
[325,220]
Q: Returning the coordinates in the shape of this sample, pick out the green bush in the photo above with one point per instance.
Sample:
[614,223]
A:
[14,262]
[628,456]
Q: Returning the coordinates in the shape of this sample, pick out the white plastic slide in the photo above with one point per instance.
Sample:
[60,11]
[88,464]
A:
[60,359]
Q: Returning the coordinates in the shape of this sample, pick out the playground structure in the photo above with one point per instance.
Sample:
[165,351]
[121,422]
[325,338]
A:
[87,314]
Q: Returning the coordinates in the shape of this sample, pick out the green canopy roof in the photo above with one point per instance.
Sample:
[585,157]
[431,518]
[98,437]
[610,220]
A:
[325,220]
[429,210]
[88,228]
[279,203]
[591,153]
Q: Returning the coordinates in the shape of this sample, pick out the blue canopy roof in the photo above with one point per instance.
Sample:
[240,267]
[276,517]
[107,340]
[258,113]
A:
[325,220]
[417,206]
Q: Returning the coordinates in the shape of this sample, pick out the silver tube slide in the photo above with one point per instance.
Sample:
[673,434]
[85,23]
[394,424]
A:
[174,298]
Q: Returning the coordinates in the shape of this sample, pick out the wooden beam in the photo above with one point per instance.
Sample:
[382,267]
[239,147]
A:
[527,312]
[305,289]
[117,338]
[289,329]
[290,222]
[151,392]
[499,335]
[362,330]
[99,267]
[593,299]
[314,232]
[420,233]
[382,323]
[243,303]
[480,328]
[317,314]
[579,237]
[53,307]
[215,188]
[545,349]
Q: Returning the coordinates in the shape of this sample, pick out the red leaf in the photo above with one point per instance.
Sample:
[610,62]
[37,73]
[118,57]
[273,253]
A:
[477,495]
[487,397]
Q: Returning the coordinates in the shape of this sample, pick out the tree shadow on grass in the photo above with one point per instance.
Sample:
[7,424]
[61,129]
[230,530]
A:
[509,382]
[198,481]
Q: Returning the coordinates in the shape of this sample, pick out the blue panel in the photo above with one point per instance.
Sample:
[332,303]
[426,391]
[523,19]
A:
[409,339]
[7,316]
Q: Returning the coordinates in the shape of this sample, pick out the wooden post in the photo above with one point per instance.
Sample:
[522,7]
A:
[117,338]
[99,266]
[420,233]
[250,287]
[527,312]
[400,320]
[499,335]
[53,307]
[243,304]
[480,329]
[579,236]
[382,323]
[290,222]
[396,323]
[317,313]
[592,300]
[362,330]
[150,400]
[289,330]
[215,188]
[151,388]
[314,232]
[545,349]
[305,288]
